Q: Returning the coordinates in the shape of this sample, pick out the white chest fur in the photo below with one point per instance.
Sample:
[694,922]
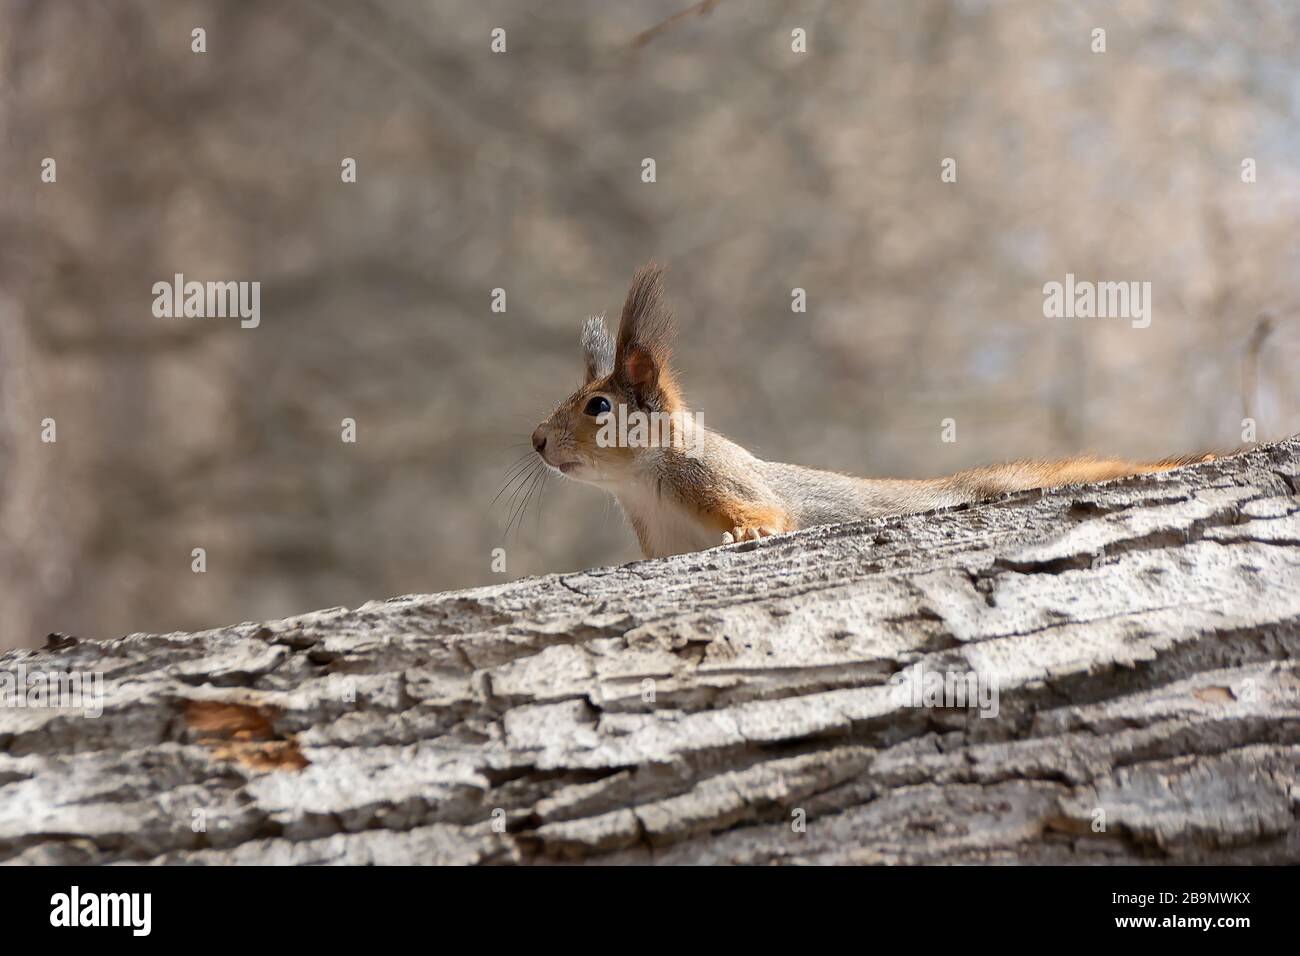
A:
[667,526]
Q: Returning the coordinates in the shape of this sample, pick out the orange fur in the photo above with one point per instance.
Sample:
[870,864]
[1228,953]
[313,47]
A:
[742,519]
[990,480]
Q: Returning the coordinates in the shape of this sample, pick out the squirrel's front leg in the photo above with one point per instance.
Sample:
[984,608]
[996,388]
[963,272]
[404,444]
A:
[749,522]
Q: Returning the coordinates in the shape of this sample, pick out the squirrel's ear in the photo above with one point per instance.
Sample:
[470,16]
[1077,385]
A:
[597,349]
[645,336]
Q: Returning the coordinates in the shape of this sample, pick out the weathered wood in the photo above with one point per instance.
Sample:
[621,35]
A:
[1141,636]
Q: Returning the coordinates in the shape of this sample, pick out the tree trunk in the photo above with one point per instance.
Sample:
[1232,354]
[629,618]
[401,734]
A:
[1128,648]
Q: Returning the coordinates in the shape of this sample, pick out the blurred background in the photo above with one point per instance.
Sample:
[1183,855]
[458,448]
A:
[522,171]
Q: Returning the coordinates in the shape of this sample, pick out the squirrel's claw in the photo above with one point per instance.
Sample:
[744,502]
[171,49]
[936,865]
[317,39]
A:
[746,534]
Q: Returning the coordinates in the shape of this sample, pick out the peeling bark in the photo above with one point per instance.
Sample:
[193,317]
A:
[1141,636]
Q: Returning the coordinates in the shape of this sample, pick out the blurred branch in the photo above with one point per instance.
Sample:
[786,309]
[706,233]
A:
[1250,364]
[701,9]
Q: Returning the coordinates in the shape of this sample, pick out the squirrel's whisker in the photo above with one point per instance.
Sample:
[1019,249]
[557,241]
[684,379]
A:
[519,470]
[518,516]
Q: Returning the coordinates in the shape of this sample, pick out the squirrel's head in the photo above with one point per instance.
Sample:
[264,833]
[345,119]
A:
[623,376]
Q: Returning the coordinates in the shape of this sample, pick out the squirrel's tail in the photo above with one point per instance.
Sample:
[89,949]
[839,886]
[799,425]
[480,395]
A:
[987,482]
[1177,461]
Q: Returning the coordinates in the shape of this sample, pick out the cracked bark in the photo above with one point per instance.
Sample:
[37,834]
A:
[1141,635]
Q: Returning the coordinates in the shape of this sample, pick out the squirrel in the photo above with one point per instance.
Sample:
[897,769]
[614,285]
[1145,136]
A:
[686,488]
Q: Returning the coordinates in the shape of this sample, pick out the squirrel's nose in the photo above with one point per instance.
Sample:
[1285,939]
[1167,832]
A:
[539,438]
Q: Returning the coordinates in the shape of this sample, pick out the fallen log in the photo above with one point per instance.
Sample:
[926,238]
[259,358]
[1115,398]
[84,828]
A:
[1129,652]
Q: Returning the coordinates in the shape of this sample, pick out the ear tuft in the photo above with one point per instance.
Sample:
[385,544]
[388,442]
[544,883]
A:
[645,331]
[597,348]
[647,321]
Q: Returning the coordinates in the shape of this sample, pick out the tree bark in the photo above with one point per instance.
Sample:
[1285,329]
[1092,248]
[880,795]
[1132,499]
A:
[749,704]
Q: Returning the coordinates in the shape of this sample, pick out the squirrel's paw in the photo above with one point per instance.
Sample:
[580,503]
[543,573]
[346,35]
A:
[746,534]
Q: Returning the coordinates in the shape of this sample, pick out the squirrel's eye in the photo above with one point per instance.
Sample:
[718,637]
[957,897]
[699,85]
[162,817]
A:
[597,406]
